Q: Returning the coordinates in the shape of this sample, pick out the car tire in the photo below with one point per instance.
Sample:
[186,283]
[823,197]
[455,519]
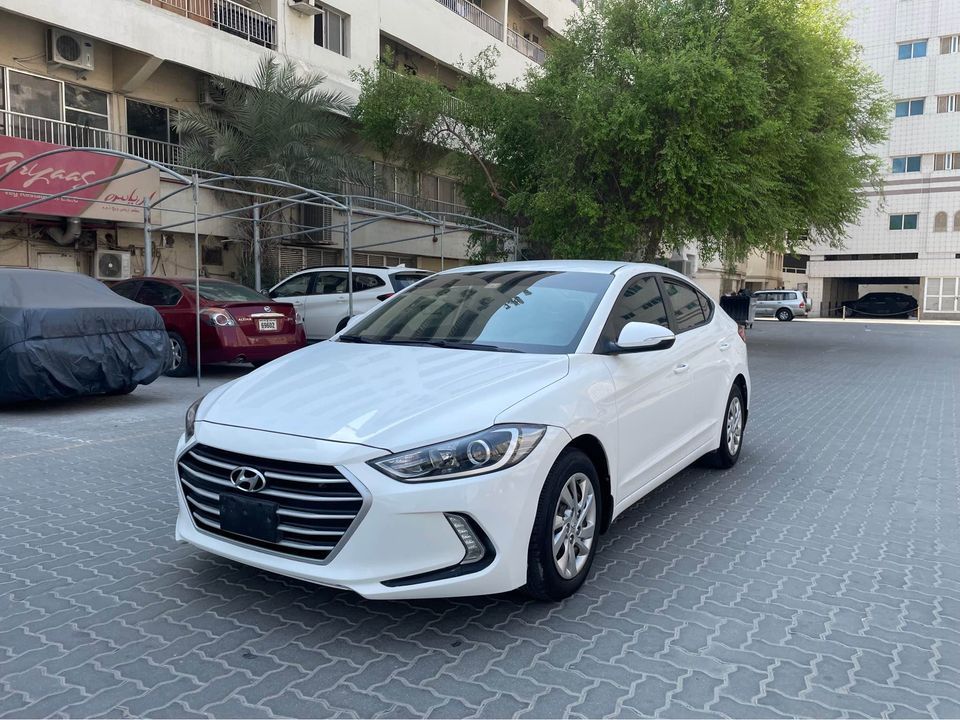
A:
[180,365]
[731,437]
[571,498]
[784,315]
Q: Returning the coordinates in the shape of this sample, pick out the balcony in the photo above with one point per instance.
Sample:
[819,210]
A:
[55,132]
[478,17]
[526,47]
[227,16]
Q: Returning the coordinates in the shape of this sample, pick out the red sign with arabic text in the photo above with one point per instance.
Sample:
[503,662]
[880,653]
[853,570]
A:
[118,200]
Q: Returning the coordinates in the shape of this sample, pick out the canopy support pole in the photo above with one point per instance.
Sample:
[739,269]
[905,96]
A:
[196,267]
[349,250]
[257,284]
[147,239]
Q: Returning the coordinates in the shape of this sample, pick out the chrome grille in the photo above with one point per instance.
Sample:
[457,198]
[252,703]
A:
[316,504]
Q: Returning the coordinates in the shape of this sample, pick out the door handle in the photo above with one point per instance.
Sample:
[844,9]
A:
[724,345]
[681,368]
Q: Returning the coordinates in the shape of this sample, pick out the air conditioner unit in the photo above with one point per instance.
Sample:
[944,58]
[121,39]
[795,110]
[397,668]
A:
[305,7]
[112,265]
[212,92]
[69,49]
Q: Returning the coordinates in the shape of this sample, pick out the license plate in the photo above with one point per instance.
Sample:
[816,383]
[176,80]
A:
[267,325]
[251,518]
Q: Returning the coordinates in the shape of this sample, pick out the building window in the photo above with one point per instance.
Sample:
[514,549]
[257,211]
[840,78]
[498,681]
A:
[946,161]
[956,222]
[44,99]
[152,122]
[905,108]
[907,164]
[942,295]
[213,255]
[949,44]
[940,222]
[329,31]
[904,222]
[948,103]
[910,50]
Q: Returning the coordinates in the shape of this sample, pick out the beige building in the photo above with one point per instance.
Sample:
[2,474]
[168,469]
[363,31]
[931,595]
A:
[114,73]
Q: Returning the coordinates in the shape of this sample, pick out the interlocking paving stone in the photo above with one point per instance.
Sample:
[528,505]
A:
[820,577]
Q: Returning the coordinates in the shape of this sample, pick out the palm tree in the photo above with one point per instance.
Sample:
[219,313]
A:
[283,127]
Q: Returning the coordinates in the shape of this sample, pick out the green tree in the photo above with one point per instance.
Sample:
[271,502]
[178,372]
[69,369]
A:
[657,123]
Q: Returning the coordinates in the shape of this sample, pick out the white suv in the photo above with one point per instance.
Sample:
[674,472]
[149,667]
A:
[320,294]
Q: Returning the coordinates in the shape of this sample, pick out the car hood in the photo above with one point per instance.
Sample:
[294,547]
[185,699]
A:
[388,397]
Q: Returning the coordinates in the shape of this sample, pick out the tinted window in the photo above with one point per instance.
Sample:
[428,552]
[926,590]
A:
[639,302]
[685,305]
[294,287]
[531,311]
[127,290]
[330,283]
[227,292]
[154,293]
[365,281]
[402,280]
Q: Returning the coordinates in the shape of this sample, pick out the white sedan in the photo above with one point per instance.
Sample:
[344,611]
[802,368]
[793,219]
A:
[474,434]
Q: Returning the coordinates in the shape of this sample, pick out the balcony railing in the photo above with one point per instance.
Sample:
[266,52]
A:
[478,17]
[228,16]
[373,194]
[527,47]
[28,127]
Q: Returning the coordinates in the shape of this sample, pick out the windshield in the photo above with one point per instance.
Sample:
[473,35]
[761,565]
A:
[532,311]
[226,292]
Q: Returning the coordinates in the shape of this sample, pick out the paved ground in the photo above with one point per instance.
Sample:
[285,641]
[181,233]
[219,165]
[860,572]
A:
[820,577]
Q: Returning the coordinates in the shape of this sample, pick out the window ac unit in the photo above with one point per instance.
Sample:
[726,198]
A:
[212,92]
[112,265]
[69,49]
[305,7]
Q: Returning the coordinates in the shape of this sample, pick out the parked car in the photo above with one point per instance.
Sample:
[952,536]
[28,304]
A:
[883,304]
[237,324]
[784,305]
[320,294]
[473,434]
[63,334]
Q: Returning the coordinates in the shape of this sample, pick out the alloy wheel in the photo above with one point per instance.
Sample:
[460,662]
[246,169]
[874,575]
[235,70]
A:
[734,425]
[574,525]
[177,353]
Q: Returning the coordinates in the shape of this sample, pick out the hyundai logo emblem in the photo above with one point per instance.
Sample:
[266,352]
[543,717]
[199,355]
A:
[248,479]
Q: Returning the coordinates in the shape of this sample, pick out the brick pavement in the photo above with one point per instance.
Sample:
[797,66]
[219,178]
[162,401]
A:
[820,577]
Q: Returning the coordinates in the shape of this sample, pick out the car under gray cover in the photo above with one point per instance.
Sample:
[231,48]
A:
[64,334]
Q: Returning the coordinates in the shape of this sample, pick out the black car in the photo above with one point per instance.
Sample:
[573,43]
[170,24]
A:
[882,304]
[63,334]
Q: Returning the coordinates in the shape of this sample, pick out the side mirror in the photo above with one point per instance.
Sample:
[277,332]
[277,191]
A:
[642,337]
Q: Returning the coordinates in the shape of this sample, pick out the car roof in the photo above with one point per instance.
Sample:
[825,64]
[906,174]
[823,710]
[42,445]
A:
[344,268]
[603,267]
[182,280]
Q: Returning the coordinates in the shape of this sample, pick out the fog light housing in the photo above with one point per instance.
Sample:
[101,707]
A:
[472,543]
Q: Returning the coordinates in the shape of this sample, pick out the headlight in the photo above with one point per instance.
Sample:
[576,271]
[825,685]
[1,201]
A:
[493,449]
[191,417]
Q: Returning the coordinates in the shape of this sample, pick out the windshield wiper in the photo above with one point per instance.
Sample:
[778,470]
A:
[450,344]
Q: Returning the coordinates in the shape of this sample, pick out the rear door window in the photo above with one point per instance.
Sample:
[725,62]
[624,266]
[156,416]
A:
[330,283]
[366,281]
[158,294]
[684,305]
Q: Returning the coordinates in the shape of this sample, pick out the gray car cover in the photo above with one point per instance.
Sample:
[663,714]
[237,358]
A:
[63,334]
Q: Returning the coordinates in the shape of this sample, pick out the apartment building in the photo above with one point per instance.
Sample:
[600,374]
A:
[908,238]
[114,74]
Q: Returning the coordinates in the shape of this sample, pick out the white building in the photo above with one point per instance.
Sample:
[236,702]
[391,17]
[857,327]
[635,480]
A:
[908,238]
[113,73]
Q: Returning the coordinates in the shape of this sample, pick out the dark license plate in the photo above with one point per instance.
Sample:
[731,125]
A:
[251,518]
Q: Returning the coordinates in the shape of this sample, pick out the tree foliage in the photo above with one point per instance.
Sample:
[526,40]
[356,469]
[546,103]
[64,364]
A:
[732,124]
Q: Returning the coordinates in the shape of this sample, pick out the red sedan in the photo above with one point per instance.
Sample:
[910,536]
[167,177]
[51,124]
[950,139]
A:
[237,324]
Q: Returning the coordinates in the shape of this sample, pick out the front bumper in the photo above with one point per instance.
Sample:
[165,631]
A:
[402,530]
